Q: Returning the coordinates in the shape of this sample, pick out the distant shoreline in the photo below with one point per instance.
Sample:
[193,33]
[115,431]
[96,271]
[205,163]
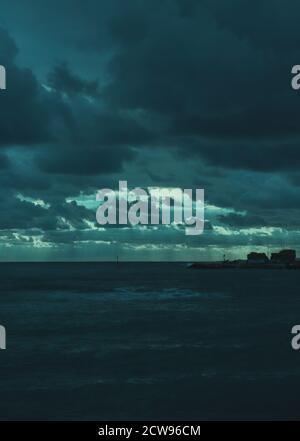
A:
[245,265]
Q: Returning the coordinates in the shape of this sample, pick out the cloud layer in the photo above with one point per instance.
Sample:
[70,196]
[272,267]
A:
[171,93]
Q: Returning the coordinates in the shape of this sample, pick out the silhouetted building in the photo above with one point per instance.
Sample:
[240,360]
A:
[284,256]
[257,258]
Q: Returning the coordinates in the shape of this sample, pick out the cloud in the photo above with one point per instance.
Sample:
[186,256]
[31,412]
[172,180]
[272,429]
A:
[4,162]
[65,81]
[19,213]
[243,221]
[181,93]
[24,111]
[88,161]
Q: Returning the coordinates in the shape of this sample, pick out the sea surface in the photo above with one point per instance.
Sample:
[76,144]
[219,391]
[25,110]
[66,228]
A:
[148,341]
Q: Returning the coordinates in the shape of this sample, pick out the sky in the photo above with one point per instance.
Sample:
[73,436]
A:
[169,93]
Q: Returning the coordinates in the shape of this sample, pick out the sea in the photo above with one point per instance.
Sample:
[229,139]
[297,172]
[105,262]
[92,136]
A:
[148,341]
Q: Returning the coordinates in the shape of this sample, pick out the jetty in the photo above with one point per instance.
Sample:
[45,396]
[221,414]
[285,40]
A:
[284,259]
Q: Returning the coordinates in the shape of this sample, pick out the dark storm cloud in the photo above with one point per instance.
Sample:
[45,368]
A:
[87,161]
[261,156]
[109,128]
[24,115]
[25,215]
[194,73]
[97,142]
[74,214]
[30,115]
[18,214]
[267,24]
[63,80]
[4,162]
[205,79]
[203,86]
[184,64]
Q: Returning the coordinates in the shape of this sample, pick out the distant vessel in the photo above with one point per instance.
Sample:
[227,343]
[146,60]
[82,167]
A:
[284,259]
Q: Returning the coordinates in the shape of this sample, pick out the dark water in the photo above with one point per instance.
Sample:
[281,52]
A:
[148,341]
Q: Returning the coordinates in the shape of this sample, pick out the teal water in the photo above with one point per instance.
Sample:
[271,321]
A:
[96,341]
